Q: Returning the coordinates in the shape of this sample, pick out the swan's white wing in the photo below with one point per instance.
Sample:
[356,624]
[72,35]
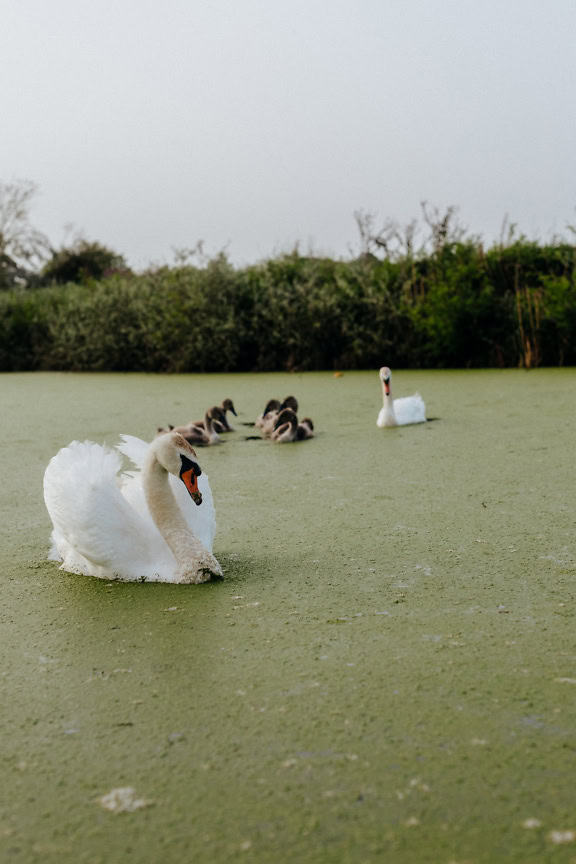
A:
[134,448]
[200,519]
[96,531]
[410,409]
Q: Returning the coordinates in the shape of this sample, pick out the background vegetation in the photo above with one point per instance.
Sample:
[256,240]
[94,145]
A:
[424,295]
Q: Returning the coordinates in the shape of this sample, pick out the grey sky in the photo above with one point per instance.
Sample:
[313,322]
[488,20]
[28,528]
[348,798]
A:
[150,124]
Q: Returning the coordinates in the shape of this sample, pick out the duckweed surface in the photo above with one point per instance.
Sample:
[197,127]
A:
[387,673]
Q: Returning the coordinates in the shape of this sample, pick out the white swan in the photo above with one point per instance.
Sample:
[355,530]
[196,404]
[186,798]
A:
[141,526]
[399,412]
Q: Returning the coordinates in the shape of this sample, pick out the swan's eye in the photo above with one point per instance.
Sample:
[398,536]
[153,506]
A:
[189,465]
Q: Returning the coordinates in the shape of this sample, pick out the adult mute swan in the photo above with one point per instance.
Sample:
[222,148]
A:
[141,526]
[399,412]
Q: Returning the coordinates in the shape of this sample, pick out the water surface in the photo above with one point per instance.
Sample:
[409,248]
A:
[388,671]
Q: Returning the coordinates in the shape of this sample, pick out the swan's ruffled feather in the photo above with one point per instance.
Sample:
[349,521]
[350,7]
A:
[96,531]
[410,409]
[134,448]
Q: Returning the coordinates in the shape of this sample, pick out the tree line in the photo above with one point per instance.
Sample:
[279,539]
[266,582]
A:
[428,294]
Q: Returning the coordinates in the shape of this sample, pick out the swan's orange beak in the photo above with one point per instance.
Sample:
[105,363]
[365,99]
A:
[387,386]
[189,474]
[190,480]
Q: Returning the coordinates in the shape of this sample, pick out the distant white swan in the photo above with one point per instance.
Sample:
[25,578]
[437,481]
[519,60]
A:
[139,526]
[399,412]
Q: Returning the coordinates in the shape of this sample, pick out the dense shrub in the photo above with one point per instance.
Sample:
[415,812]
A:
[82,262]
[457,305]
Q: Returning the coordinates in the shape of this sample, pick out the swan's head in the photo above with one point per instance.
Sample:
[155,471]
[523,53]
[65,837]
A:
[228,405]
[177,457]
[385,376]
[307,422]
[289,402]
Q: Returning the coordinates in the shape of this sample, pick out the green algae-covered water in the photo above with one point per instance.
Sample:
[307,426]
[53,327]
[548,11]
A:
[387,673]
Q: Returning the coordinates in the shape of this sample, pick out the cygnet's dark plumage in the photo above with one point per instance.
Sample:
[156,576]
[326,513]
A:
[285,427]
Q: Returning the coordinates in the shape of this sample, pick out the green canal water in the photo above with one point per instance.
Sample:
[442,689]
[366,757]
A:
[387,672]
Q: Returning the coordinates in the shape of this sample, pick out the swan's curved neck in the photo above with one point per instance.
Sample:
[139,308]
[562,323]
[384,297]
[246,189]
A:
[166,513]
[389,415]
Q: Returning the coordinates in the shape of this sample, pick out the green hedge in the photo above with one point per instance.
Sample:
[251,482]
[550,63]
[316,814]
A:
[462,306]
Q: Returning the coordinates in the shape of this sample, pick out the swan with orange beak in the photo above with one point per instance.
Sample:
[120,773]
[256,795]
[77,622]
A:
[398,412]
[134,526]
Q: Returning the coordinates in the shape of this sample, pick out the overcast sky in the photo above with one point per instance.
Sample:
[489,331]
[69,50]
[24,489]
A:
[151,124]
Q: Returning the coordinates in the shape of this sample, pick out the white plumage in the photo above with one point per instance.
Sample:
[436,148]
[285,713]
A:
[399,412]
[103,525]
[201,520]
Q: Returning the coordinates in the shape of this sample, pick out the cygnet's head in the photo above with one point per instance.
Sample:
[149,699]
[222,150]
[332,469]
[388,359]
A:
[290,402]
[228,405]
[176,455]
[385,376]
[271,405]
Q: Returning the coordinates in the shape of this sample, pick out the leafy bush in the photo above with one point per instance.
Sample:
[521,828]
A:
[455,304]
[82,262]
[24,329]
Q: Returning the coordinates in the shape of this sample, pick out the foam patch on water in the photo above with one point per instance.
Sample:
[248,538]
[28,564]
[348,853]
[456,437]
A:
[559,837]
[122,800]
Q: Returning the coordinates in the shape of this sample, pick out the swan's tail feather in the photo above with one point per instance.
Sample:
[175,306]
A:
[55,546]
[410,409]
[86,462]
